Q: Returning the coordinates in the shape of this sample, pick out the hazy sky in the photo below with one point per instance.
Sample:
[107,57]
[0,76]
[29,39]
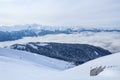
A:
[61,12]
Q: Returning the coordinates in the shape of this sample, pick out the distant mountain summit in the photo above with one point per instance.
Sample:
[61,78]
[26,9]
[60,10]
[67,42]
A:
[76,53]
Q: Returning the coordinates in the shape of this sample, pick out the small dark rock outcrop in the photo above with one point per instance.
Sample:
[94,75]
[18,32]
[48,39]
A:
[97,70]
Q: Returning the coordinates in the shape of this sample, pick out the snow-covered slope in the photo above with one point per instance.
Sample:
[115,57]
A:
[16,69]
[37,59]
[111,72]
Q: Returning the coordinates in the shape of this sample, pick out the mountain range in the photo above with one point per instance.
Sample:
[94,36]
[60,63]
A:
[9,33]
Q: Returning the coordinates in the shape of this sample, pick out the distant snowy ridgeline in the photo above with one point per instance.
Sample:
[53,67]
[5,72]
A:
[54,28]
[75,53]
[10,33]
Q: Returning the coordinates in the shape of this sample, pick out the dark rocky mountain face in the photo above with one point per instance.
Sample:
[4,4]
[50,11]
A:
[76,53]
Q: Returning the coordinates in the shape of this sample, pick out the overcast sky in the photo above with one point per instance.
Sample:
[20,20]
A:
[105,13]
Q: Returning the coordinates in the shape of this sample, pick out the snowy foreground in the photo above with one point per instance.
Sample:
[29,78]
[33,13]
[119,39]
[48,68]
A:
[36,59]
[18,65]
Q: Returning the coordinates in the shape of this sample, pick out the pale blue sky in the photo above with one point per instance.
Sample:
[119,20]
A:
[105,13]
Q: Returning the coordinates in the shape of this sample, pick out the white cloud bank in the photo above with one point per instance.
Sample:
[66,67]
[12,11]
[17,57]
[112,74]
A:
[106,40]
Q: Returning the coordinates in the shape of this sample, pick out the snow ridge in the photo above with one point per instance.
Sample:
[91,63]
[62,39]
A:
[37,59]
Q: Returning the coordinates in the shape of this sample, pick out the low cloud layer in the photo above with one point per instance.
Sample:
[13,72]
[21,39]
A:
[106,40]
